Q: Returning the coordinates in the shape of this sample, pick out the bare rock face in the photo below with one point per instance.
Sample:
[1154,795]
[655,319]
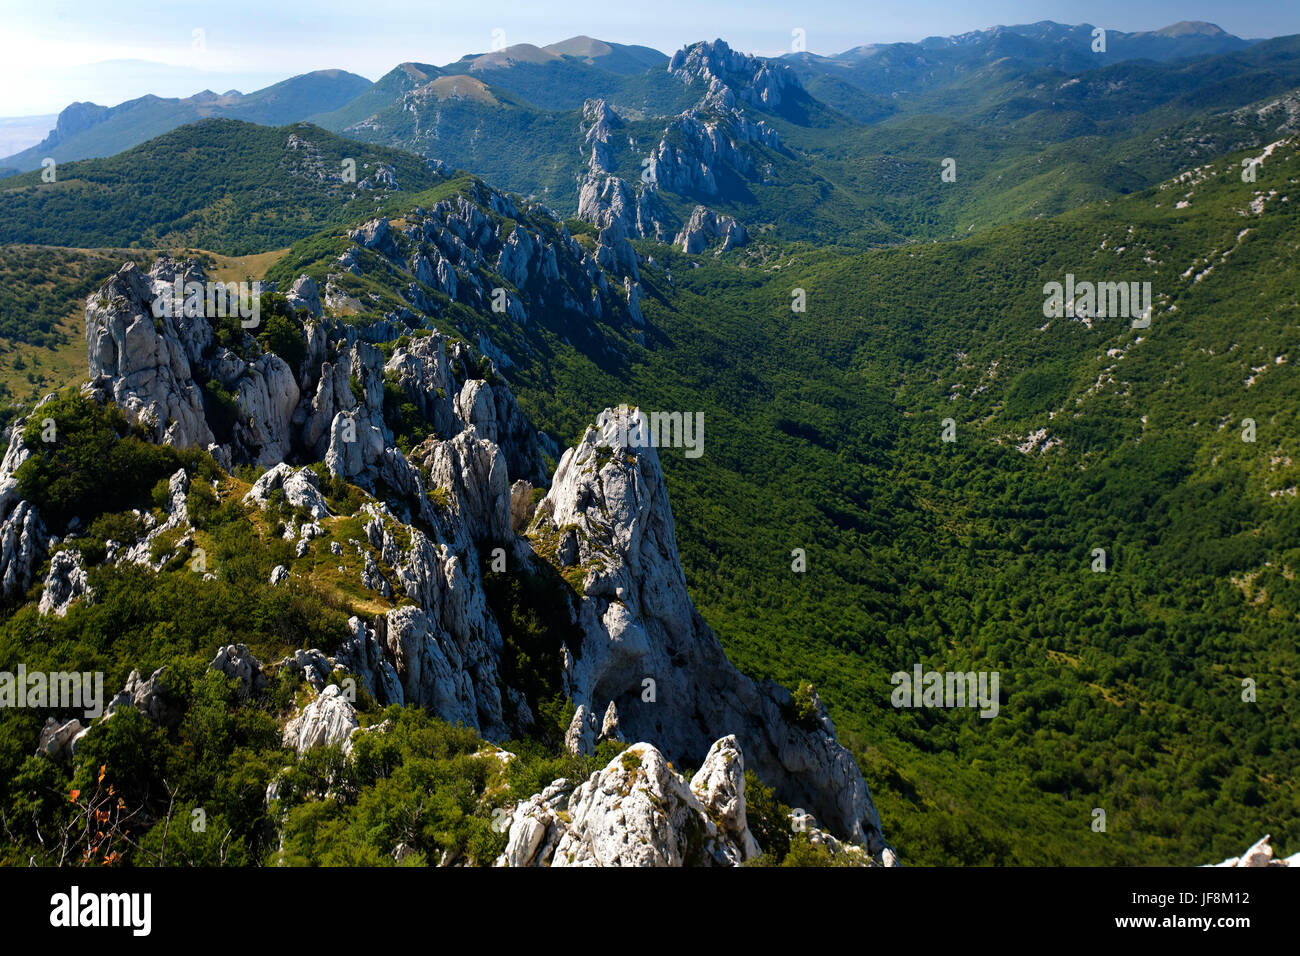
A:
[601,122]
[640,625]
[304,295]
[145,349]
[23,544]
[365,655]
[16,452]
[633,290]
[475,470]
[456,252]
[300,486]
[142,361]
[706,227]
[267,396]
[452,396]
[237,662]
[1259,855]
[375,235]
[424,372]
[443,652]
[430,666]
[638,811]
[604,199]
[329,719]
[66,582]
[521,505]
[724,70]
[23,539]
[614,251]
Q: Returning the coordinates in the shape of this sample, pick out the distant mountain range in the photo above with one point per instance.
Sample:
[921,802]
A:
[864,82]
[901,69]
[713,146]
[86,130]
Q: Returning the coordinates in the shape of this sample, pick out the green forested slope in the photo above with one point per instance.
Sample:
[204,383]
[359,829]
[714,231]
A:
[223,185]
[1122,690]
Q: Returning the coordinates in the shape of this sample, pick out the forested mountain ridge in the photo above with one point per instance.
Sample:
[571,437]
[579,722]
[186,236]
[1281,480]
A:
[389,478]
[88,130]
[223,185]
[747,139]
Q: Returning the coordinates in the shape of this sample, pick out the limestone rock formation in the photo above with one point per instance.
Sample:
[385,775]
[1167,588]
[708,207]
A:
[639,624]
[705,227]
[237,662]
[65,583]
[23,538]
[304,295]
[464,491]
[638,811]
[1260,854]
[58,737]
[300,486]
[143,361]
[329,719]
[23,544]
[312,666]
[146,696]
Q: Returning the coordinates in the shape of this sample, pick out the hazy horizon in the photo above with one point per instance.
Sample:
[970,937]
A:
[76,52]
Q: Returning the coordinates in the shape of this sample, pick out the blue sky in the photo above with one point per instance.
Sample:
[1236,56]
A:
[53,52]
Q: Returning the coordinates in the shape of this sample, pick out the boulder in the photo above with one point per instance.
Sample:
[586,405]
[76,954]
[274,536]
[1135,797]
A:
[312,666]
[301,489]
[329,719]
[66,582]
[57,737]
[303,294]
[237,662]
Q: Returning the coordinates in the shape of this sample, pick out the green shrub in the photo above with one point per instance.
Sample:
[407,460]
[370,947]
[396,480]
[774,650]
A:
[282,334]
[98,462]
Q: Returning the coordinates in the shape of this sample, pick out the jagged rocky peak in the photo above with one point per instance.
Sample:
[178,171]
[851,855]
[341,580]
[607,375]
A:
[161,365]
[705,227]
[639,663]
[440,649]
[142,364]
[460,250]
[606,523]
[601,122]
[638,811]
[696,153]
[730,73]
